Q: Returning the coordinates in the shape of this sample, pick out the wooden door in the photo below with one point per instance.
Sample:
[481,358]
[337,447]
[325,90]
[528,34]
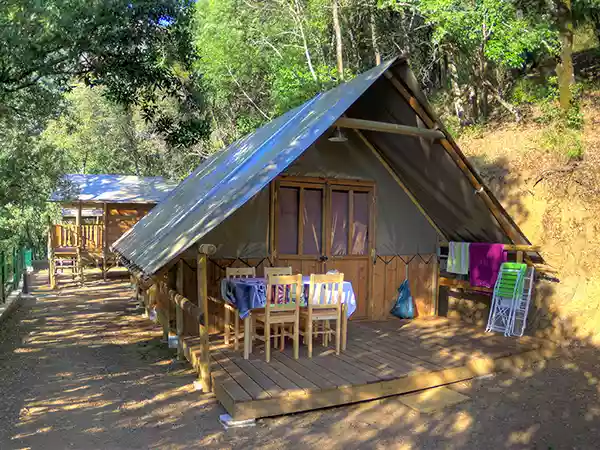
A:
[349,240]
[300,226]
[320,225]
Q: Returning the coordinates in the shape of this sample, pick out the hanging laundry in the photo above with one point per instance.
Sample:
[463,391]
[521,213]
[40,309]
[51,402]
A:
[484,263]
[458,258]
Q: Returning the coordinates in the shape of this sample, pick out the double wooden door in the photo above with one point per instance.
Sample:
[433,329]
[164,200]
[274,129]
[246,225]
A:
[321,225]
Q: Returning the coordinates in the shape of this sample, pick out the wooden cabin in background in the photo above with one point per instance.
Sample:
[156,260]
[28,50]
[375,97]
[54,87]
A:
[96,210]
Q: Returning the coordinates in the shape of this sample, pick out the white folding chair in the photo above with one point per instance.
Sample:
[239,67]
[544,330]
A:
[503,300]
[521,307]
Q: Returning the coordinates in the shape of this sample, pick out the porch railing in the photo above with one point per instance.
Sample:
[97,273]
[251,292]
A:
[65,235]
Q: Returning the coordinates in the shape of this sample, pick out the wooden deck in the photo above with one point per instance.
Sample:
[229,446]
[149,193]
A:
[382,359]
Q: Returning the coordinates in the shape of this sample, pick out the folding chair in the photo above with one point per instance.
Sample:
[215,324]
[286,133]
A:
[521,309]
[507,290]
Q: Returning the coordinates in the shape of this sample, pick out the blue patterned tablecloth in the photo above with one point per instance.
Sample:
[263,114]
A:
[249,293]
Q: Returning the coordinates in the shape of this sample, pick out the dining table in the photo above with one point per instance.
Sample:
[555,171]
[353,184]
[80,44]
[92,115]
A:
[246,294]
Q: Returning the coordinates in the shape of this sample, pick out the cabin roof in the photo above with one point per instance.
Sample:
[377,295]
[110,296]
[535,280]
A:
[442,185]
[109,188]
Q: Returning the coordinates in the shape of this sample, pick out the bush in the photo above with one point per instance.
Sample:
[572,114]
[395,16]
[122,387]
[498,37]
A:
[530,91]
[561,139]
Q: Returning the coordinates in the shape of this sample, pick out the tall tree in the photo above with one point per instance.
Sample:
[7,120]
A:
[139,50]
[565,68]
[339,53]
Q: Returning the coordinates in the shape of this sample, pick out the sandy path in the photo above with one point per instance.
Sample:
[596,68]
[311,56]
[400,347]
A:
[80,368]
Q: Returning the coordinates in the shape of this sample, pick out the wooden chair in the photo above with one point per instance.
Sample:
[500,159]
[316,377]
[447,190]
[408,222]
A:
[284,293]
[235,272]
[277,271]
[324,304]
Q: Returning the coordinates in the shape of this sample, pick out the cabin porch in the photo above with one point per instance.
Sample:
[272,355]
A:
[382,358]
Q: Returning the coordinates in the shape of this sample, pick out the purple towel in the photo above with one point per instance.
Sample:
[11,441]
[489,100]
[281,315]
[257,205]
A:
[484,263]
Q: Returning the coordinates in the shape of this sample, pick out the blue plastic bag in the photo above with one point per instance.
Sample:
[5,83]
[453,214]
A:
[403,308]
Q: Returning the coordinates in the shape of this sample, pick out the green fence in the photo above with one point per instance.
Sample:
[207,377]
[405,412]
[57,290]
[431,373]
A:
[13,266]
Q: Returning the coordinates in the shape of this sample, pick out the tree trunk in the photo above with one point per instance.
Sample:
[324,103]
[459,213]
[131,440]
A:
[483,92]
[374,38]
[458,101]
[514,111]
[297,16]
[338,39]
[483,68]
[565,68]
[474,100]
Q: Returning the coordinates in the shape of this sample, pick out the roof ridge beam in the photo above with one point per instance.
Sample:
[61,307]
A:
[386,127]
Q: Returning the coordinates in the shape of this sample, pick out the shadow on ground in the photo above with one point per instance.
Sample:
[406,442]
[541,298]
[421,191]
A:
[81,368]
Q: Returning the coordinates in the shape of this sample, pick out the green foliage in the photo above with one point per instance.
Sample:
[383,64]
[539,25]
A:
[533,90]
[585,38]
[565,141]
[138,54]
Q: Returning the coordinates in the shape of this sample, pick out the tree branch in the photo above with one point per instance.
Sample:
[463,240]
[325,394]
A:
[237,83]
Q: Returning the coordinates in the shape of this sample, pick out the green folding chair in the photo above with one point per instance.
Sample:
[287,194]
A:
[508,291]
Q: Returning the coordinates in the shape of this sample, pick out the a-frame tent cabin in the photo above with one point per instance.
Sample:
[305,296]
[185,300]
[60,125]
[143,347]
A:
[287,195]
[363,178]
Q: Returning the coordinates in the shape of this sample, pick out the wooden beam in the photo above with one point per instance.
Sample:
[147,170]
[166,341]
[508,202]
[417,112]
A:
[79,243]
[51,261]
[179,310]
[461,161]
[400,183]
[462,284]
[513,247]
[384,127]
[105,242]
[204,363]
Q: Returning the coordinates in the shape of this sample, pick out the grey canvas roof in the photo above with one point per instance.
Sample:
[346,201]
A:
[112,189]
[228,179]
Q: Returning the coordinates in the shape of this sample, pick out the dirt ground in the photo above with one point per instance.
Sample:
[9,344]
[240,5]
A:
[82,369]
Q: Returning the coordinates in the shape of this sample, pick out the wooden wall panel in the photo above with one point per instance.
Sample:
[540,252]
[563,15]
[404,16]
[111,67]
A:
[388,274]
[122,217]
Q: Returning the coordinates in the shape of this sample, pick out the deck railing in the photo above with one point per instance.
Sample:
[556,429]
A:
[65,235]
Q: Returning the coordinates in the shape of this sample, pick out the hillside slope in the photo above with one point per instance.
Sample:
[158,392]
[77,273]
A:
[556,201]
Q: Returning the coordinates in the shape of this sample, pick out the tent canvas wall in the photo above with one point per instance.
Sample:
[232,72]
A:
[419,188]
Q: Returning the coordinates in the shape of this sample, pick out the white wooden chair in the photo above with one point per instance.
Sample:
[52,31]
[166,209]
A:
[235,272]
[282,308]
[324,304]
[277,271]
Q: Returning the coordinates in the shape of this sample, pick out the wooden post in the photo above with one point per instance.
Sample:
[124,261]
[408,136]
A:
[146,302]
[15,269]
[344,326]
[51,262]
[105,242]
[179,310]
[79,244]
[165,311]
[2,277]
[204,363]
[436,281]
[519,257]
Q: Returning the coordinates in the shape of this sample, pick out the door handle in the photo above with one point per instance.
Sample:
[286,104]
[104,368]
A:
[323,258]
